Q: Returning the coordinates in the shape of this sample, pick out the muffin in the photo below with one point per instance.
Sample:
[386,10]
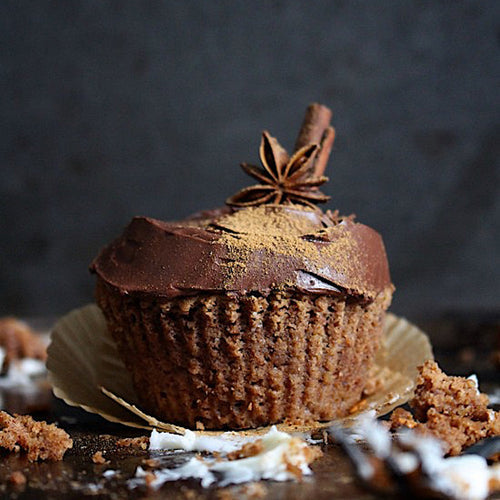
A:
[267,310]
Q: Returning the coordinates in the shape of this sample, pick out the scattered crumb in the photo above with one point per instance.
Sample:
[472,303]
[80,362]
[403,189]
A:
[226,494]
[17,478]
[494,485]
[402,418]
[247,491]
[19,341]
[151,462]
[149,477]
[98,458]
[189,494]
[40,440]
[449,408]
[199,426]
[359,406]
[247,450]
[141,442]
[254,490]
[310,453]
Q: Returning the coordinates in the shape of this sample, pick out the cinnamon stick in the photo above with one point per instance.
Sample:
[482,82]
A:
[316,121]
[316,129]
[326,145]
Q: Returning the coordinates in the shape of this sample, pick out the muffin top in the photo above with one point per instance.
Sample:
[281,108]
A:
[270,236]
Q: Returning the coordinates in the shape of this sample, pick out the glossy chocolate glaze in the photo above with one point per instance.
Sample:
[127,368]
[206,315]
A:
[213,252]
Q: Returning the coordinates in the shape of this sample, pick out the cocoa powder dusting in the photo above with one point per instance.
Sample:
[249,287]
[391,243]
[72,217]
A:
[272,231]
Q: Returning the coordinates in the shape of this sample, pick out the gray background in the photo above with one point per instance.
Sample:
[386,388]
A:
[111,109]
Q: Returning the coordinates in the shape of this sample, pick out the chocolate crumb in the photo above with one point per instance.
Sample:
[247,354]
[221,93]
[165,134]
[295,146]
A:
[17,478]
[141,442]
[40,441]
[98,458]
[149,478]
[449,408]
[151,462]
[247,450]
[359,406]
[247,491]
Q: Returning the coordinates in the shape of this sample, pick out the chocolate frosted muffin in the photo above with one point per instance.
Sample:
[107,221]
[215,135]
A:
[265,311]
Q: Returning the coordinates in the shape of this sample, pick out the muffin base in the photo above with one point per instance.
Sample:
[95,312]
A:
[225,361]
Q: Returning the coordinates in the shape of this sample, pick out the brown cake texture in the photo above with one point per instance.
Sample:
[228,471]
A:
[267,310]
[19,341]
[449,408]
[39,440]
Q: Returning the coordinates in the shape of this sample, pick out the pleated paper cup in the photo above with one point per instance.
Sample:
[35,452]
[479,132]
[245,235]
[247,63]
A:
[86,371]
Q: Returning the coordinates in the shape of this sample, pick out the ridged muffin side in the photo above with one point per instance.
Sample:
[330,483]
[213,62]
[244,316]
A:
[232,361]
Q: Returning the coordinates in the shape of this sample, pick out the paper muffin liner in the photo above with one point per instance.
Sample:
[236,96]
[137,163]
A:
[86,371]
[225,361]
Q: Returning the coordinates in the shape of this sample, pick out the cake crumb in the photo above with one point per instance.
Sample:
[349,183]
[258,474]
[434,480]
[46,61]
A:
[41,441]
[98,458]
[149,478]
[359,406]
[402,418]
[151,462]
[19,341]
[141,442]
[247,450]
[450,408]
[247,491]
[17,478]
[189,494]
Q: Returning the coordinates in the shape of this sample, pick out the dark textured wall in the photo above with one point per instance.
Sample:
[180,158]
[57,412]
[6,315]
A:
[110,109]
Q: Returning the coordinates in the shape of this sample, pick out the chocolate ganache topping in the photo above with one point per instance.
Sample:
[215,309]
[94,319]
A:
[271,236]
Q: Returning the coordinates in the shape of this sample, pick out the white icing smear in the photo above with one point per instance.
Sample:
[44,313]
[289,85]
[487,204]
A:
[110,473]
[464,477]
[280,451]
[21,373]
[192,441]
[278,456]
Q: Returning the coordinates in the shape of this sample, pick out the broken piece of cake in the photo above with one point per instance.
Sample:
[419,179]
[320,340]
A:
[40,441]
[449,408]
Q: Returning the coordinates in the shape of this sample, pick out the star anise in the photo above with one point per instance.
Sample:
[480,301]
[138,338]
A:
[283,179]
